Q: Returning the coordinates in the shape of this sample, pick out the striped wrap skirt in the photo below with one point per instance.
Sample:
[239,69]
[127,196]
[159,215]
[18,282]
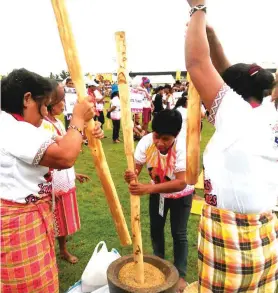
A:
[66,214]
[237,252]
[28,262]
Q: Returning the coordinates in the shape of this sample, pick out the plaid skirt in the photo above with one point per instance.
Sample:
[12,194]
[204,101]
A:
[66,214]
[237,252]
[28,262]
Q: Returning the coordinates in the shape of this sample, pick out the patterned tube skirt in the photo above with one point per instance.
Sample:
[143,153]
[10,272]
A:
[237,252]
[28,262]
[66,214]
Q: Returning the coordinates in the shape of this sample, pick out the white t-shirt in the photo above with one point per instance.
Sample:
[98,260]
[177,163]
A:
[176,96]
[116,113]
[147,153]
[267,99]
[171,100]
[147,102]
[98,95]
[22,147]
[183,112]
[241,159]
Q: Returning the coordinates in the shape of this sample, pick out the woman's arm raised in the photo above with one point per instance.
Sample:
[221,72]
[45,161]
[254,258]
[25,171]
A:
[203,74]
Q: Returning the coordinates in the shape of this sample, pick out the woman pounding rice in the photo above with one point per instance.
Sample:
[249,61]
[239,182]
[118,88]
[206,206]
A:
[28,262]
[238,235]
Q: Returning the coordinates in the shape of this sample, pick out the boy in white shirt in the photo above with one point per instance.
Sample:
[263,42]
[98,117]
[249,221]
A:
[164,155]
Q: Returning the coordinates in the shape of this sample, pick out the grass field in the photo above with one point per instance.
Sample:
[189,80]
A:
[96,221]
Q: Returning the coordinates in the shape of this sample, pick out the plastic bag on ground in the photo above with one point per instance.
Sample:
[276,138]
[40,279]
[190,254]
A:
[94,275]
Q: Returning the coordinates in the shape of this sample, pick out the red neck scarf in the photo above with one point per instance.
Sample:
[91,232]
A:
[163,172]
[18,117]
[254,104]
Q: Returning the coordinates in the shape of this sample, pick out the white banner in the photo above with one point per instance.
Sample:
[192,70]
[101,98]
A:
[136,101]
[70,100]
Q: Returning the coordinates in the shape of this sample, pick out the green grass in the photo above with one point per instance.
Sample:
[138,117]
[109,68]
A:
[96,221]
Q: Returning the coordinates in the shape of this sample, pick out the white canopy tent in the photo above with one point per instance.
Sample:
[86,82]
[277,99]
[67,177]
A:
[87,79]
[156,80]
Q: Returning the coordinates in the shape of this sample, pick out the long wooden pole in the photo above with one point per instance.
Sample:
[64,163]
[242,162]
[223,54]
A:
[95,145]
[127,126]
[193,134]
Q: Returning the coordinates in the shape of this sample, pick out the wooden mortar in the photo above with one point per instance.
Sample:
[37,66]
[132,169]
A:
[168,269]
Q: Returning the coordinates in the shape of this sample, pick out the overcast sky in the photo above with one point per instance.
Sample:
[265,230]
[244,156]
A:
[155,33]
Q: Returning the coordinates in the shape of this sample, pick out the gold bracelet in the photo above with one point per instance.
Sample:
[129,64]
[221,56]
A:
[76,128]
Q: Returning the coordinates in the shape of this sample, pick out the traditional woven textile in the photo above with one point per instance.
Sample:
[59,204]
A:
[237,252]
[28,262]
[66,215]
[192,288]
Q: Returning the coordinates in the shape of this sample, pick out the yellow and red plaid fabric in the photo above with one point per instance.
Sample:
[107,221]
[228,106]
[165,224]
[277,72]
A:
[28,262]
[237,252]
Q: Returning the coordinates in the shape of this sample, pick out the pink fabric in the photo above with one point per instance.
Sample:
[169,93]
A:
[66,215]
[147,115]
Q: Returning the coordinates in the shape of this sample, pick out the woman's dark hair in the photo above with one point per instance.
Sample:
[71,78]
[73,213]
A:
[167,122]
[17,84]
[114,94]
[167,86]
[181,102]
[158,89]
[69,79]
[248,80]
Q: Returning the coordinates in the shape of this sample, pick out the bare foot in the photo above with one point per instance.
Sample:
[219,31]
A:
[181,285]
[69,257]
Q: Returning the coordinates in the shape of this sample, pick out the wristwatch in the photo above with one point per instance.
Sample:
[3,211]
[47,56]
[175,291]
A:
[197,8]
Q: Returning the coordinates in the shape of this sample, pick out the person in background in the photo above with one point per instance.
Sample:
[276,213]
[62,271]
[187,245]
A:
[177,87]
[69,83]
[66,214]
[95,93]
[168,99]
[181,106]
[70,99]
[151,90]
[158,100]
[27,156]
[115,112]
[238,232]
[138,131]
[101,84]
[164,154]
[147,107]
